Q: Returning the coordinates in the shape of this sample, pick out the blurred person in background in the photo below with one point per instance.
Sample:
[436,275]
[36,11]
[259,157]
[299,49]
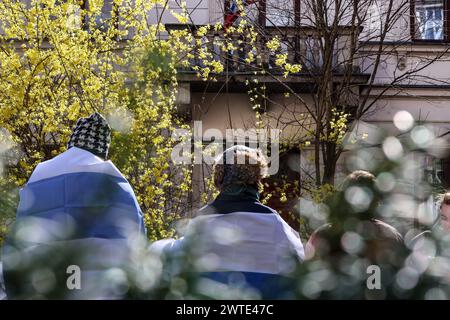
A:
[444,217]
[429,260]
[435,242]
[76,220]
[235,242]
[383,231]
[441,227]
[355,239]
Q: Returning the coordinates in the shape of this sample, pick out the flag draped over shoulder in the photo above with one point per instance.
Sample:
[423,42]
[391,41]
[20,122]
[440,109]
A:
[76,209]
[233,12]
[90,192]
[242,237]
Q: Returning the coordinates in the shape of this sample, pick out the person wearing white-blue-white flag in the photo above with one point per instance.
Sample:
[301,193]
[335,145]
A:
[236,241]
[77,222]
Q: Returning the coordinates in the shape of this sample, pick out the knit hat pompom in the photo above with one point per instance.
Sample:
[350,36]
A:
[240,165]
[92,134]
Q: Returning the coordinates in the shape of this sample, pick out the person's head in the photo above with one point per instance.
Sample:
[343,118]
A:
[445,212]
[360,178]
[92,134]
[357,199]
[240,165]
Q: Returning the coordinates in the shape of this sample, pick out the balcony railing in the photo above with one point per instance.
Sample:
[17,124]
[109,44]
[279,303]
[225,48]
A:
[302,45]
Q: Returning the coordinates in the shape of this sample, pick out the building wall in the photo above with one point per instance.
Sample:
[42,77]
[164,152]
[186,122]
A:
[200,11]
[426,97]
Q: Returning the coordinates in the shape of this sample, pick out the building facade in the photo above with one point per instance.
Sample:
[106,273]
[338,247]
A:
[399,61]
[367,59]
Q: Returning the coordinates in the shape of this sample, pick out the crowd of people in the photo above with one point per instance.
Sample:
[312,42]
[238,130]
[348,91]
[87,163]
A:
[78,210]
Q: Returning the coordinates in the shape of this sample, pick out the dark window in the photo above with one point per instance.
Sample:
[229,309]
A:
[279,13]
[444,172]
[430,20]
[287,181]
[437,172]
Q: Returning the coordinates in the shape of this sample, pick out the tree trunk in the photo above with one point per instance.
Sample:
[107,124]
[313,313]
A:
[329,168]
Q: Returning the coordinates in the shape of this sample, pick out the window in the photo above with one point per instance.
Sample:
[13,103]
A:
[279,13]
[429,20]
[436,171]
[444,172]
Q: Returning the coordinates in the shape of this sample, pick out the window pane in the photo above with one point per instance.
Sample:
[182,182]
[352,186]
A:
[280,13]
[429,16]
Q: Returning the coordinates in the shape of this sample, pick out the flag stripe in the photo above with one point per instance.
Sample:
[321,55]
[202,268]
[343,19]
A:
[71,161]
[239,241]
[78,209]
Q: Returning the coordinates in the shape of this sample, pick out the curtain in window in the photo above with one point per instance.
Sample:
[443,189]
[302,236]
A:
[429,16]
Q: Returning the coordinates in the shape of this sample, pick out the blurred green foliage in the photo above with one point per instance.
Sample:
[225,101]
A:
[9,198]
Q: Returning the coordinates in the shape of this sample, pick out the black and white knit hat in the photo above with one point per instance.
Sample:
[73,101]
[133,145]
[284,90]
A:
[92,134]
